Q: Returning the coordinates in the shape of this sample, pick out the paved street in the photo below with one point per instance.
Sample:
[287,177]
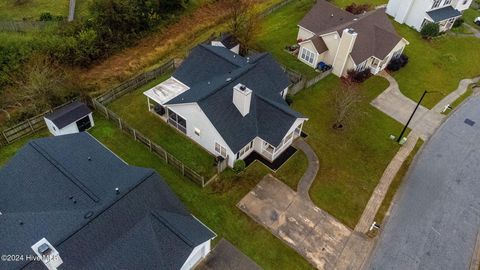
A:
[434,223]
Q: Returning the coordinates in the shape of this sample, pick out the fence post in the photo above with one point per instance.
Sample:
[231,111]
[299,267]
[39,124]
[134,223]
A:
[28,121]
[134,134]
[120,123]
[6,139]
[150,145]
[203,181]
[106,113]
[183,169]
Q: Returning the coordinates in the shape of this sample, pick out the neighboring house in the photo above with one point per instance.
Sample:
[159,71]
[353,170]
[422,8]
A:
[229,104]
[332,36]
[71,199]
[72,118]
[416,13]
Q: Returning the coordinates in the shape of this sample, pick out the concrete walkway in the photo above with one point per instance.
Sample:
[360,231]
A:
[313,165]
[393,103]
[381,190]
[475,31]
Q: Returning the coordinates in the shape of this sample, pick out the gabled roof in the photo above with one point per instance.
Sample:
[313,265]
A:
[444,13]
[212,72]
[376,34]
[68,114]
[324,16]
[65,191]
[318,43]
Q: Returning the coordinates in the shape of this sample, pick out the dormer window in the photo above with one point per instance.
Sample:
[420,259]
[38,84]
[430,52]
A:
[436,3]
[447,2]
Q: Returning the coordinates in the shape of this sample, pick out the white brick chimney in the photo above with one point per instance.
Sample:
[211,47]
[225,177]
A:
[242,97]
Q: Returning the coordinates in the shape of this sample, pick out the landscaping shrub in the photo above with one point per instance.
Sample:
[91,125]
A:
[46,16]
[239,166]
[358,9]
[430,30]
[458,22]
[359,76]
[397,63]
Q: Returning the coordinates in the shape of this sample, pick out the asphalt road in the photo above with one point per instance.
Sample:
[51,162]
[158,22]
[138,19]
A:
[435,221]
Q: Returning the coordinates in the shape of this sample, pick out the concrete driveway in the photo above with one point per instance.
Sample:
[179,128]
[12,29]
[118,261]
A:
[227,256]
[435,222]
[313,233]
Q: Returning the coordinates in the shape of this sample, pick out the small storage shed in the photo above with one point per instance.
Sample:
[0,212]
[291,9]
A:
[72,118]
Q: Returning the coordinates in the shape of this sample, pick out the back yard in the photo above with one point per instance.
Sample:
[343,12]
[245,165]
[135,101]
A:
[133,109]
[32,9]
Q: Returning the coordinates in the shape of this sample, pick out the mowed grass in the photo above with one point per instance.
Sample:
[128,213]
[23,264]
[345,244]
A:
[7,152]
[215,205]
[352,160]
[133,108]
[469,15]
[291,172]
[32,9]
[279,30]
[436,65]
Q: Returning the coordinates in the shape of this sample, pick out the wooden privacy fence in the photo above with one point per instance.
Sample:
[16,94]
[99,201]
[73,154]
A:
[303,83]
[153,147]
[135,83]
[23,26]
[28,126]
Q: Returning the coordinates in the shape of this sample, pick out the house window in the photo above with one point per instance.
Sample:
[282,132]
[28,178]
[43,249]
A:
[308,55]
[436,3]
[447,2]
[246,149]
[177,121]
[222,151]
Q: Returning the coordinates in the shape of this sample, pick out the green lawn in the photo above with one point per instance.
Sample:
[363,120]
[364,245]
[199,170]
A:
[214,205]
[6,152]
[279,29]
[436,65]
[469,15]
[353,160]
[133,109]
[32,9]
[291,172]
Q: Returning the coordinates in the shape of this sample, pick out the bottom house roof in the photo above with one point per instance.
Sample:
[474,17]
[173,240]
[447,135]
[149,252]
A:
[65,191]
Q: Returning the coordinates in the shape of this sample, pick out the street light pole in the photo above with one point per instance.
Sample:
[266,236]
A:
[411,117]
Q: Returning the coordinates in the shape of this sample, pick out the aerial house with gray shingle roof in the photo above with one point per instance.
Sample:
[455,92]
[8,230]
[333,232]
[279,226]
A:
[332,36]
[67,202]
[229,104]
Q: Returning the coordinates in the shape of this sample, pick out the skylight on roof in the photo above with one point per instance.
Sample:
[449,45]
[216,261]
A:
[166,91]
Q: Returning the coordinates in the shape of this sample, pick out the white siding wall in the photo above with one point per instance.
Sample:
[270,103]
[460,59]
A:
[195,118]
[459,4]
[197,255]
[70,129]
[304,34]
[332,41]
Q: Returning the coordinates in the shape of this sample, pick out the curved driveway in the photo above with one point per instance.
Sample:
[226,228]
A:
[436,219]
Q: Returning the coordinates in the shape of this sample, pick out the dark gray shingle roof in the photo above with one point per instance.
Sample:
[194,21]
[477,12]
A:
[212,72]
[56,185]
[68,114]
[444,13]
